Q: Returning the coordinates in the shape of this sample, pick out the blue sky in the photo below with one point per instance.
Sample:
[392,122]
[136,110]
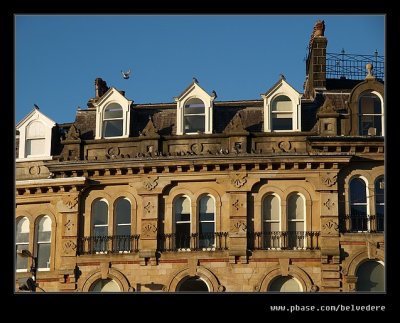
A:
[238,56]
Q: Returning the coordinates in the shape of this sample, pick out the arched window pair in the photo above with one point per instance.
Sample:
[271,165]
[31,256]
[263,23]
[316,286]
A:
[279,234]
[105,239]
[42,247]
[362,218]
[202,234]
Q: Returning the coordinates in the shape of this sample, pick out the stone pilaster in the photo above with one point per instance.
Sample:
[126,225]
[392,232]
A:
[238,227]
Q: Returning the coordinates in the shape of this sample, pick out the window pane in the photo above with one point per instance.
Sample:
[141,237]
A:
[296,226]
[113,111]
[282,103]
[281,123]
[379,191]
[35,147]
[44,236]
[271,226]
[182,217]
[22,231]
[100,213]
[206,212]
[44,255]
[206,227]
[35,130]
[295,207]
[105,285]
[100,231]
[358,192]
[271,208]
[21,262]
[358,210]
[371,277]
[123,230]
[194,106]
[113,128]
[123,210]
[194,123]
[182,235]
[284,284]
[182,209]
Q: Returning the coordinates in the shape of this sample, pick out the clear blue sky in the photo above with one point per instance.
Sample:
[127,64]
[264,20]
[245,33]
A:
[238,56]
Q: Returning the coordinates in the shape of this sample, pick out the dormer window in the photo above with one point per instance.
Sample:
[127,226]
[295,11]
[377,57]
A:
[194,111]
[194,116]
[370,114]
[35,132]
[112,115]
[113,121]
[282,113]
[282,108]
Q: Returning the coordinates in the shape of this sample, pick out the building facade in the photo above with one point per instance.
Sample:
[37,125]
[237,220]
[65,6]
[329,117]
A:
[282,193]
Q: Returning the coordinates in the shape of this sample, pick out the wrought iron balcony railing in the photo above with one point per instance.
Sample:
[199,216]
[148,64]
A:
[352,66]
[362,223]
[283,240]
[108,244]
[195,241]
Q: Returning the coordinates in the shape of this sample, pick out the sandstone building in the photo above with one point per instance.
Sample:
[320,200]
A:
[282,193]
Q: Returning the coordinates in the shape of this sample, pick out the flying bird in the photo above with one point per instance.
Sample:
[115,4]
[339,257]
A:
[125,75]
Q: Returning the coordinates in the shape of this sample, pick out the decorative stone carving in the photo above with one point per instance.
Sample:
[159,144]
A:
[237,205]
[68,225]
[330,227]
[314,288]
[221,288]
[285,146]
[329,179]
[34,170]
[149,183]
[113,152]
[148,207]
[149,130]
[239,226]
[327,107]
[69,247]
[329,204]
[196,148]
[149,230]
[238,179]
[70,200]
[73,133]
[235,125]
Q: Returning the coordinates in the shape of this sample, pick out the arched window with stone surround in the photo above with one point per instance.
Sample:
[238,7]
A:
[122,233]
[296,215]
[105,285]
[285,284]
[271,217]
[370,277]
[207,222]
[359,217]
[99,228]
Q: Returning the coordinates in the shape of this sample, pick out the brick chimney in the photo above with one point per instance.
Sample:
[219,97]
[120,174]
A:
[316,61]
[100,87]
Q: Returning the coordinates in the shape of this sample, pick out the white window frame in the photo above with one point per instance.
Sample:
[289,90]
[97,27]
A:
[367,203]
[207,221]
[25,243]
[372,114]
[93,226]
[183,222]
[185,115]
[279,221]
[39,242]
[116,224]
[113,119]
[304,220]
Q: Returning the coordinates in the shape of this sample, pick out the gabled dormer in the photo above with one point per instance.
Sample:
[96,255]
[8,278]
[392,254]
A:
[194,110]
[35,132]
[282,108]
[112,115]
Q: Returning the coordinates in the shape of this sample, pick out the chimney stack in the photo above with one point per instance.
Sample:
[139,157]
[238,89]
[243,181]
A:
[100,87]
[316,60]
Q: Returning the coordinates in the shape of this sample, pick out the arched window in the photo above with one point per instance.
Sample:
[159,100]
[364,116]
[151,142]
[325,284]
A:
[285,284]
[370,114]
[271,222]
[194,116]
[192,284]
[22,242]
[35,139]
[122,225]
[296,236]
[370,277]
[113,121]
[100,226]
[358,205]
[105,285]
[281,113]
[43,242]
[206,222]
[379,203]
[182,222]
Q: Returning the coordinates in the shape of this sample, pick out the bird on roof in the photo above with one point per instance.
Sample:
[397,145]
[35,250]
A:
[125,75]
[195,80]
[214,94]
[36,106]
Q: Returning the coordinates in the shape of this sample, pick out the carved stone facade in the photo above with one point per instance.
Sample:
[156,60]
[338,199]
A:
[236,208]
